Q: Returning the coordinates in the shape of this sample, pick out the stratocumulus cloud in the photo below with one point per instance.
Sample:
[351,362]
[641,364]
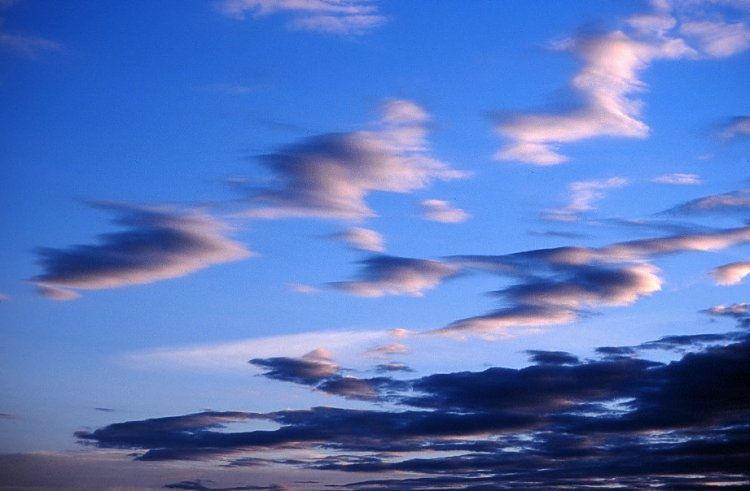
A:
[344,17]
[157,244]
[576,420]
[609,78]
[330,175]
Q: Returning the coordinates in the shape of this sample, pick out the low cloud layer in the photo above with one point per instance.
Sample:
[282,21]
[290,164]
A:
[157,244]
[559,421]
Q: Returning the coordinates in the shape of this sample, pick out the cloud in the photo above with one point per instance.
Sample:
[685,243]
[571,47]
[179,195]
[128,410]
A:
[24,44]
[732,202]
[582,196]
[388,349]
[309,369]
[361,238]
[233,355]
[391,275]
[612,64]
[399,111]
[554,286]
[441,211]
[393,366]
[678,179]
[157,244]
[559,422]
[732,273]
[302,288]
[344,17]
[330,175]
[718,39]
[738,126]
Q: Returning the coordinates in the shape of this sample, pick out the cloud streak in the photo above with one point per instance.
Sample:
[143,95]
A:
[157,244]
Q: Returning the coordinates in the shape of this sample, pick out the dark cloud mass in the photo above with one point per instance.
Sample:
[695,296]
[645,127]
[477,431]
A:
[559,422]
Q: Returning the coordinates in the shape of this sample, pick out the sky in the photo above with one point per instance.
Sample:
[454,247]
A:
[303,244]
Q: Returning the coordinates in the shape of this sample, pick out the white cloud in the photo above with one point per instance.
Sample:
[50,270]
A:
[678,179]
[582,196]
[718,39]
[361,238]
[438,210]
[331,175]
[732,273]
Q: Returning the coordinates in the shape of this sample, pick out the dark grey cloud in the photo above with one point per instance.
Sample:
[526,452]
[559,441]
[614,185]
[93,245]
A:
[559,422]
[157,244]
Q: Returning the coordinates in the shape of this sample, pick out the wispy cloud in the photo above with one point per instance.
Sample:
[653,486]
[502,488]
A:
[732,273]
[678,179]
[345,17]
[738,126]
[583,194]
[157,244]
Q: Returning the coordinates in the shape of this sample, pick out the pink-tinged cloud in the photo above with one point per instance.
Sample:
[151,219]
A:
[732,273]
[437,210]
[583,194]
[361,238]
[157,244]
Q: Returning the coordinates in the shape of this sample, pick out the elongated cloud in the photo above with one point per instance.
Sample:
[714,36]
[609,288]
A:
[157,244]
[330,175]
[555,285]
[678,179]
[610,78]
[583,194]
[438,210]
[327,16]
[725,203]
[361,238]
[390,275]
[732,273]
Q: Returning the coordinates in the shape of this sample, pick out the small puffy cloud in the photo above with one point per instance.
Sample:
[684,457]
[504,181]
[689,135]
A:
[157,244]
[438,210]
[331,175]
[328,16]
[738,126]
[732,273]
[718,39]
[393,366]
[678,179]
[583,194]
[361,238]
[732,310]
[390,275]
[403,111]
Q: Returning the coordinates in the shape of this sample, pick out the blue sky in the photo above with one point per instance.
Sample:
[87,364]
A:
[263,166]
